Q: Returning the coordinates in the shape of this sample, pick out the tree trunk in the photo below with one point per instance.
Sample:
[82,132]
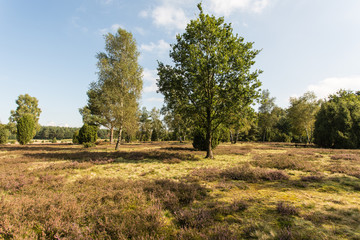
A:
[119,139]
[209,153]
[231,138]
[307,136]
[111,134]
[236,135]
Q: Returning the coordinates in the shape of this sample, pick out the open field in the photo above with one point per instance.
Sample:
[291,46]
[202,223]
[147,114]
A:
[169,191]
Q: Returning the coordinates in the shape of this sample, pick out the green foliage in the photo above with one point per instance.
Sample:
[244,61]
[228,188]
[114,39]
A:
[4,134]
[199,140]
[154,135]
[27,105]
[54,140]
[88,144]
[87,134]
[25,128]
[50,132]
[301,115]
[212,76]
[113,99]
[338,121]
[75,138]
[145,125]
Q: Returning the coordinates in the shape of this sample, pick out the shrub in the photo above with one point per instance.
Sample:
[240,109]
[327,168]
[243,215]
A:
[154,135]
[54,140]
[89,145]
[247,173]
[87,134]
[174,195]
[4,134]
[286,209]
[199,140]
[75,139]
[25,129]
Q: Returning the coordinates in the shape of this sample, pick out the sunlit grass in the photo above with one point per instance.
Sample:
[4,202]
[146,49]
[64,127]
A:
[233,194]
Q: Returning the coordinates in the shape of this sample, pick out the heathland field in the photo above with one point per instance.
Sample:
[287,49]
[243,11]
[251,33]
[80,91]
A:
[169,191]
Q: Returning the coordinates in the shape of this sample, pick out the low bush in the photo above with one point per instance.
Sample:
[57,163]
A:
[86,209]
[286,209]
[199,140]
[248,173]
[312,178]
[88,134]
[75,138]
[89,144]
[283,161]
[174,195]
[4,134]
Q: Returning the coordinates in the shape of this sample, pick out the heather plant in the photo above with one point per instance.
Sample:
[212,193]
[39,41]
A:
[248,173]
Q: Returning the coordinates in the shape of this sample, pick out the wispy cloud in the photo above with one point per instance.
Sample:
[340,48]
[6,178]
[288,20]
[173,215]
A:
[227,7]
[161,47]
[75,22]
[105,2]
[150,80]
[140,30]
[154,99]
[53,123]
[113,28]
[169,16]
[331,85]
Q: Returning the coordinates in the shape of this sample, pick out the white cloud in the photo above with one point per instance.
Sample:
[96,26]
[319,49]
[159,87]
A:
[150,80]
[75,23]
[160,47]
[227,7]
[140,30]
[331,85]
[115,27]
[106,2]
[54,124]
[169,16]
[154,99]
[144,14]
[112,29]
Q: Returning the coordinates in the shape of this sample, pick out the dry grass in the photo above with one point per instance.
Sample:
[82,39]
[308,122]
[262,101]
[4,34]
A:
[169,191]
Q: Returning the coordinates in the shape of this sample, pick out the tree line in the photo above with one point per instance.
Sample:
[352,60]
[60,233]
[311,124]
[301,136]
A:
[209,93]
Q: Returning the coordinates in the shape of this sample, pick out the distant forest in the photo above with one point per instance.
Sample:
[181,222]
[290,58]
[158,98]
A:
[51,132]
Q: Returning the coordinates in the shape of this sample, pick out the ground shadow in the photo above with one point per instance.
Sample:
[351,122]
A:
[54,147]
[120,156]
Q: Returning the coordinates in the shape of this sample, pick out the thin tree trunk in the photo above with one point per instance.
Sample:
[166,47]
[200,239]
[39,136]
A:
[111,134]
[209,153]
[236,137]
[307,135]
[231,137]
[119,139]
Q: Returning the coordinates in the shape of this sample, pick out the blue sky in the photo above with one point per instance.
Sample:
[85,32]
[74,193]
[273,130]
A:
[48,47]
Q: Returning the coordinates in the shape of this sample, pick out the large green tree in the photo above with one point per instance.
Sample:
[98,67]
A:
[113,99]
[26,105]
[266,119]
[301,115]
[337,123]
[212,76]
